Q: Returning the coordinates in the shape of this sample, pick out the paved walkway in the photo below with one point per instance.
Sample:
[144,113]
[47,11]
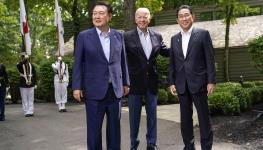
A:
[51,130]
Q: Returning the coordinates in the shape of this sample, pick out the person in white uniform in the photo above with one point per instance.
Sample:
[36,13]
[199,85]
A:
[61,79]
[27,85]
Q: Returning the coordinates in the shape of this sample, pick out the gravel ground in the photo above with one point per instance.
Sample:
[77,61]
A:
[245,129]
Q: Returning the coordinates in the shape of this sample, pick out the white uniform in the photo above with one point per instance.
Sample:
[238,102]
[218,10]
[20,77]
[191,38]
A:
[61,79]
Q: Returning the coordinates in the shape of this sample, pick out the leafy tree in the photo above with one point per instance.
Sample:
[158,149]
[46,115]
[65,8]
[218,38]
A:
[231,9]
[9,35]
[256,52]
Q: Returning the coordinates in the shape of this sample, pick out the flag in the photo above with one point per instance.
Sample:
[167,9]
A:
[60,29]
[24,28]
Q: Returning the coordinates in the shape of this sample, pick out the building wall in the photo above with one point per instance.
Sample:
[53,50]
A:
[239,64]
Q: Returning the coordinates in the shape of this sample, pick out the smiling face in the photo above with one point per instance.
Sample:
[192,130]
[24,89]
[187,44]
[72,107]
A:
[142,18]
[101,17]
[185,19]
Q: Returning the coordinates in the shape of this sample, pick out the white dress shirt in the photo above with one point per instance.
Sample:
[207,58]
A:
[105,42]
[146,42]
[185,40]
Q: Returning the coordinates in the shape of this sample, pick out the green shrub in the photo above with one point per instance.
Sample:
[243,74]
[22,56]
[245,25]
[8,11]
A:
[256,94]
[249,84]
[224,103]
[236,90]
[162,96]
[258,83]
[45,89]
[256,52]
[243,98]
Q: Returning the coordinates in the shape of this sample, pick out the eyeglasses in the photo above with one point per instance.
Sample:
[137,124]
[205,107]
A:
[185,16]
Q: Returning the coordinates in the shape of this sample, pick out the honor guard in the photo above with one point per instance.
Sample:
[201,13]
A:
[27,84]
[3,88]
[61,79]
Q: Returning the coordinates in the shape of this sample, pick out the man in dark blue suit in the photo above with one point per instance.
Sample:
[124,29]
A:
[143,46]
[100,74]
[192,76]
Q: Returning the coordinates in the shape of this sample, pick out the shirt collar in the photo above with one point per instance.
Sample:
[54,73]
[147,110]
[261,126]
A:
[187,32]
[142,33]
[100,32]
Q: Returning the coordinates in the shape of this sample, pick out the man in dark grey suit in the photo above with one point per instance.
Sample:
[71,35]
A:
[143,46]
[192,77]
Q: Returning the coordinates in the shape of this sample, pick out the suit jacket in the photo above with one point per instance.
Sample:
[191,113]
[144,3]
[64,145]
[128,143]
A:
[92,71]
[143,71]
[198,68]
[3,77]
[22,82]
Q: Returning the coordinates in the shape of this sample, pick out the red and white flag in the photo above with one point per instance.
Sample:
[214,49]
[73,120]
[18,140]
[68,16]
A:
[24,27]
[58,23]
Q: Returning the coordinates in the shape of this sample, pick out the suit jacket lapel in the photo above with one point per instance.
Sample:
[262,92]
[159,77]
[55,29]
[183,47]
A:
[96,41]
[136,38]
[179,41]
[191,42]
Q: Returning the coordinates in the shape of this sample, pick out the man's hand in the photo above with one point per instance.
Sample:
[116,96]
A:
[210,88]
[77,94]
[173,90]
[126,90]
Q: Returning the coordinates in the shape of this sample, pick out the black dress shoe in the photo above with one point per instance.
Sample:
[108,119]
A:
[27,115]
[2,119]
[64,110]
[61,110]
[152,147]
[31,115]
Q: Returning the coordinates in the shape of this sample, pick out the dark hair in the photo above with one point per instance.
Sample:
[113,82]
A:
[184,7]
[106,4]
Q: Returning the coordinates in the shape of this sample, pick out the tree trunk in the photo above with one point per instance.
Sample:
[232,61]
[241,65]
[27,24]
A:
[129,11]
[76,22]
[229,12]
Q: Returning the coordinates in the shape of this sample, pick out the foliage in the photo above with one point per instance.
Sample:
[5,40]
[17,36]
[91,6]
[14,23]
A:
[256,94]
[256,53]
[45,89]
[230,98]
[236,90]
[153,5]
[224,102]
[162,96]
[9,36]
[162,69]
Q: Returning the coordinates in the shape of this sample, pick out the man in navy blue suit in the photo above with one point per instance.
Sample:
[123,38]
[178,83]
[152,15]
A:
[192,76]
[143,46]
[100,75]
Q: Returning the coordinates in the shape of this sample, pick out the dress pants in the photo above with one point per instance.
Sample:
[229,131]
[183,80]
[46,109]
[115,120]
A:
[95,111]
[200,101]
[27,95]
[61,94]
[2,102]
[135,107]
